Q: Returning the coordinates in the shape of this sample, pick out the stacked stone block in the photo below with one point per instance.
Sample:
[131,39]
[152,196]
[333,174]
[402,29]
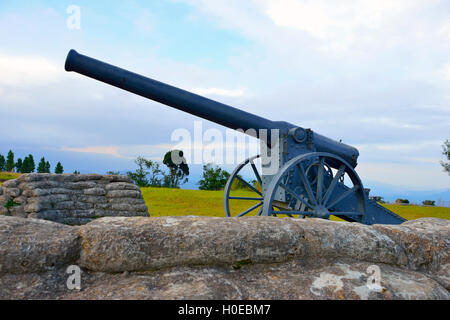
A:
[73,199]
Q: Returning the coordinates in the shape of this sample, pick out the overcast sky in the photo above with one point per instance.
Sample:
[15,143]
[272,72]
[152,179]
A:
[374,73]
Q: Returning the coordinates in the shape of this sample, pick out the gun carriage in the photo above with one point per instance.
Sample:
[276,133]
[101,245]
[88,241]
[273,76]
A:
[315,176]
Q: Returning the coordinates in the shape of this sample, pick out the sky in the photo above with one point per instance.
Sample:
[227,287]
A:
[374,73]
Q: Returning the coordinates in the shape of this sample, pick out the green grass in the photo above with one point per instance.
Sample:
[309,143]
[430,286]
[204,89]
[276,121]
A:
[179,202]
[4,176]
[410,212]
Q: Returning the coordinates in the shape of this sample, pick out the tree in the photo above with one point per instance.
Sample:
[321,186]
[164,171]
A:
[59,168]
[10,164]
[178,169]
[402,201]
[76,172]
[213,178]
[32,164]
[2,163]
[47,167]
[28,164]
[41,166]
[140,175]
[25,165]
[446,152]
[19,164]
[146,168]
[428,202]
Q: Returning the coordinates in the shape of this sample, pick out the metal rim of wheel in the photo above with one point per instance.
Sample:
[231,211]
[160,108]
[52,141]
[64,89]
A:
[318,201]
[258,194]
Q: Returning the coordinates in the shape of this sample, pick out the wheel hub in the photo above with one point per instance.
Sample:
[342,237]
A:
[321,212]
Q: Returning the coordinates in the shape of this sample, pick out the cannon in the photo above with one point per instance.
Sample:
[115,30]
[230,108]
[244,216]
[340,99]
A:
[314,175]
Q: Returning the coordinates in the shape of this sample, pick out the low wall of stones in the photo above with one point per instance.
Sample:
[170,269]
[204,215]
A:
[224,258]
[72,199]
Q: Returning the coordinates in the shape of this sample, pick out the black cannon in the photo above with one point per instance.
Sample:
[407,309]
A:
[314,175]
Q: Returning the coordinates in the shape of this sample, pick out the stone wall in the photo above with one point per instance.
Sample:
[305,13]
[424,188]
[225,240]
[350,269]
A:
[72,199]
[224,258]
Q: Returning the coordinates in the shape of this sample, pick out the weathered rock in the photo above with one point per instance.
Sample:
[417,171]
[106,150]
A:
[30,245]
[173,241]
[278,281]
[59,197]
[10,183]
[425,243]
[223,258]
[12,192]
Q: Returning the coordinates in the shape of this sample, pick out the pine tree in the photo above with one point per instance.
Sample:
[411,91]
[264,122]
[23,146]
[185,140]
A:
[2,163]
[26,165]
[19,164]
[32,164]
[41,166]
[59,168]
[10,164]
[47,167]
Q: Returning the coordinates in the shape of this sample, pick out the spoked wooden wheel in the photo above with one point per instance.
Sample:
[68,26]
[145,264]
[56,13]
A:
[250,204]
[312,189]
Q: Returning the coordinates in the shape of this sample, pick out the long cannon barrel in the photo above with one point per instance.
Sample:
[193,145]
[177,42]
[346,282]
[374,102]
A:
[177,98]
[194,104]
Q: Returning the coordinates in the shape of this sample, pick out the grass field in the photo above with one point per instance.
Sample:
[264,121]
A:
[179,202]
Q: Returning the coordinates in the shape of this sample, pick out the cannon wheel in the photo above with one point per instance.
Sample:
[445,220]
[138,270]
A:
[258,194]
[318,198]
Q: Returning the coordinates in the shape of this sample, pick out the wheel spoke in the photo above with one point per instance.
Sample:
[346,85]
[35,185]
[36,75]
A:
[244,198]
[333,185]
[259,212]
[258,177]
[320,180]
[343,196]
[306,184]
[287,189]
[249,185]
[250,209]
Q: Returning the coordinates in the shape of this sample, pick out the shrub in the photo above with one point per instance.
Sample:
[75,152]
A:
[428,202]
[146,168]
[10,204]
[214,178]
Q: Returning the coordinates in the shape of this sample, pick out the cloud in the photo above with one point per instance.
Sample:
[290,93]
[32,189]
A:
[22,71]
[324,19]
[106,150]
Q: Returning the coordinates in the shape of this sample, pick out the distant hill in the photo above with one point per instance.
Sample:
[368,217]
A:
[391,193]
